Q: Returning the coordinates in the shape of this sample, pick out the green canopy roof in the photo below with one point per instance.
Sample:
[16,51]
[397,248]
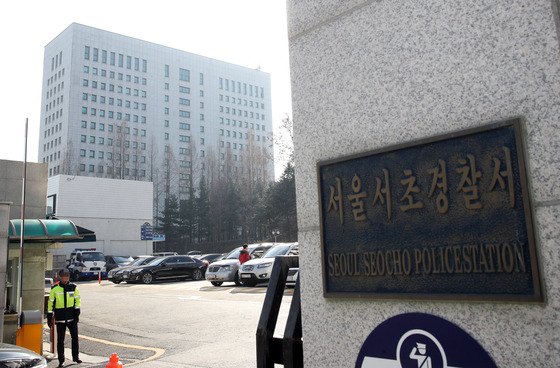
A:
[41,230]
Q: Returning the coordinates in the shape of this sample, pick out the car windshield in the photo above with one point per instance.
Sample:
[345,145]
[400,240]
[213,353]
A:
[157,261]
[141,261]
[122,259]
[234,254]
[93,256]
[278,250]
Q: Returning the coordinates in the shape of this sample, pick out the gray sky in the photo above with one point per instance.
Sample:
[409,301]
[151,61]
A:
[250,33]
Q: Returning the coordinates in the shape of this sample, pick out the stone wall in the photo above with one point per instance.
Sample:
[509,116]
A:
[371,74]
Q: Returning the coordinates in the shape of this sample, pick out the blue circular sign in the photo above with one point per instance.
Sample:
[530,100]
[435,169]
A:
[418,340]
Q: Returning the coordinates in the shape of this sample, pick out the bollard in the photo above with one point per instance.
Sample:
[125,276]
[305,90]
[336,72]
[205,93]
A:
[99,277]
[114,362]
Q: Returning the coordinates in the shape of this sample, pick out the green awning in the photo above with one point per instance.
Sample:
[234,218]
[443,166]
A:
[44,230]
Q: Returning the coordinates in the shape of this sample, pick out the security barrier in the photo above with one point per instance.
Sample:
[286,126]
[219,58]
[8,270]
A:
[287,350]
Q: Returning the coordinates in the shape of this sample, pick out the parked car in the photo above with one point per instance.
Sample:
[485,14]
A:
[209,258]
[116,274]
[293,274]
[116,261]
[258,270]
[16,356]
[173,267]
[226,269]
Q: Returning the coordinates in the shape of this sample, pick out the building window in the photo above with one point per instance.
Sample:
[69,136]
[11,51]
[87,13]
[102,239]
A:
[166,71]
[91,168]
[184,75]
[86,55]
[82,153]
[92,154]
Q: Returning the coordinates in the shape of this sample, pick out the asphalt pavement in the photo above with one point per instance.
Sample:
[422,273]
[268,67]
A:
[193,344]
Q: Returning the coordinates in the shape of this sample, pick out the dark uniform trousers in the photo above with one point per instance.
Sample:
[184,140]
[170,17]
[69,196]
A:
[61,333]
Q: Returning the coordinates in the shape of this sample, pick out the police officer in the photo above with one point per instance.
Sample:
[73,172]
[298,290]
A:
[64,301]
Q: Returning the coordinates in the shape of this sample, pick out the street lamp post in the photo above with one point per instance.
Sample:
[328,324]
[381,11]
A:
[275,233]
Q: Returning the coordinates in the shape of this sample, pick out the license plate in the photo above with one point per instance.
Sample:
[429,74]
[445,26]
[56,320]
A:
[245,276]
[211,277]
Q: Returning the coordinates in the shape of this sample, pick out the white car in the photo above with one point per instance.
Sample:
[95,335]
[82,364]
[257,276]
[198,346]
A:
[257,271]
[227,268]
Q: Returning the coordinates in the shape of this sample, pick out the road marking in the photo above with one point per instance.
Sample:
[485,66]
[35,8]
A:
[157,351]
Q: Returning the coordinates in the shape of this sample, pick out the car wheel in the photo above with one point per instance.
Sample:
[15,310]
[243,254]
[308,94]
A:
[236,279]
[216,283]
[116,282]
[197,274]
[147,278]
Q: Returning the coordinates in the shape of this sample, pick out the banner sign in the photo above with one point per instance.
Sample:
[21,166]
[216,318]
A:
[446,218]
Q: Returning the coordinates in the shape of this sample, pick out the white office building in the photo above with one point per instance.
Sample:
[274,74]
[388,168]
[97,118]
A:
[122,108]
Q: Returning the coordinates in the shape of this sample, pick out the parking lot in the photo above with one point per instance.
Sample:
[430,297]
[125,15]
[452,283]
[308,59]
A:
[171,324]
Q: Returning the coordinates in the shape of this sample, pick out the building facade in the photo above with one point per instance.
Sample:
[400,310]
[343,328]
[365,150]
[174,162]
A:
[122,108]
[114,209]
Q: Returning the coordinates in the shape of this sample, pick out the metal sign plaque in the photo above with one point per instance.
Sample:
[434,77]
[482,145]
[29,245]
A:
[446,218]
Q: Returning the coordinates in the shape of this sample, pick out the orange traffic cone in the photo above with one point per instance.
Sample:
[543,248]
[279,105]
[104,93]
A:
[114,362]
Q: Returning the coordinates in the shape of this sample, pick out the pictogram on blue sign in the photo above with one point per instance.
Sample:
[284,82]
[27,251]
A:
[417,340]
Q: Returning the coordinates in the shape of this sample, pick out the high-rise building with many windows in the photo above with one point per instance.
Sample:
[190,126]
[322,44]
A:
[118,107]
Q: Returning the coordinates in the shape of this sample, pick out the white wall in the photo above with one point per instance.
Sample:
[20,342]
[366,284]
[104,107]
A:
[114,209]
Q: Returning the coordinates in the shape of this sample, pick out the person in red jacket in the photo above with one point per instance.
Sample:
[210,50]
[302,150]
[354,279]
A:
[244,255]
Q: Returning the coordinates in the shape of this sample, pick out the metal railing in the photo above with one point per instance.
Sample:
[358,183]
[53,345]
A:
[287,350]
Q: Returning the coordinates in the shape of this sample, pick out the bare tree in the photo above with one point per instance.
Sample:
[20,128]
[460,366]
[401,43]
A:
[69,162]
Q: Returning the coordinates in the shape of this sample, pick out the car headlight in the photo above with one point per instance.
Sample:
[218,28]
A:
[225,268]
[265,265]
[16,363]
[137,270]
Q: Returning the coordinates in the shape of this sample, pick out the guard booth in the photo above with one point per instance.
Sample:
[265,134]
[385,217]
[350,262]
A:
[39,237]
